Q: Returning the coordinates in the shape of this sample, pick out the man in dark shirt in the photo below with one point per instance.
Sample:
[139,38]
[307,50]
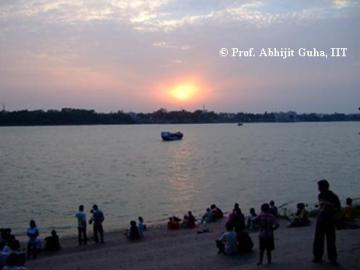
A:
[329,204]
[97,218]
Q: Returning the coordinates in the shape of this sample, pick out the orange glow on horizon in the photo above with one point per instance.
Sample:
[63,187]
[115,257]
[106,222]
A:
[183,92]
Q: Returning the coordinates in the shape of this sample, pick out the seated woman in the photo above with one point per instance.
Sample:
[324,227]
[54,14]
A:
[227,243]
[34,244]
[348,211]
[301,217]
[174,223]
[52,242]
[347,221]
[244,242]
[134,232]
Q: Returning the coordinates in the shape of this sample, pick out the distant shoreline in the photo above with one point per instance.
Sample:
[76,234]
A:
[81,117]
[163,124]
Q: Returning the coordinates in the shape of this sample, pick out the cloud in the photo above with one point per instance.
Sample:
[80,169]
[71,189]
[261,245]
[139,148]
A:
[167,45]
[167,15]
[124,48]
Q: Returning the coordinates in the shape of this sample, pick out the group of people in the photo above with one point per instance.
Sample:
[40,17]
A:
[212,214]
[10,250]
[136,230]
[97,219]
[188,222]
[329,216]
[235,239]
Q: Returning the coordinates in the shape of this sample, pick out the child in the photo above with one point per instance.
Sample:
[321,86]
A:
[141,225]
[267,224]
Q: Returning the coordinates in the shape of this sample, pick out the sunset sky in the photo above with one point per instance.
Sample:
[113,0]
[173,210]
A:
[139,55]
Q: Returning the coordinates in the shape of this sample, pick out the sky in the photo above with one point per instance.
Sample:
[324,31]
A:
[138,55]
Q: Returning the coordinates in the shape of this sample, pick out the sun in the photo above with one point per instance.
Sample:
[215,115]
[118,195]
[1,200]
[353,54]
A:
[183,92]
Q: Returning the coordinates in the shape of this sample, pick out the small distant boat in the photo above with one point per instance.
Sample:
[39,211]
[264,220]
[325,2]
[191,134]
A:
[169,136]
[240,124]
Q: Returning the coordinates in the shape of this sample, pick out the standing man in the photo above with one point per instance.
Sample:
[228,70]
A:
[329,204]
[97,218]
[81,217]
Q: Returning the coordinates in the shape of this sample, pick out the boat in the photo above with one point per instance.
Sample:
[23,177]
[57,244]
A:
[240,124]
[169,136]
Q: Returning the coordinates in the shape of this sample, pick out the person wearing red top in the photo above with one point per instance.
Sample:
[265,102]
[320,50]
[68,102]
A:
[267,223]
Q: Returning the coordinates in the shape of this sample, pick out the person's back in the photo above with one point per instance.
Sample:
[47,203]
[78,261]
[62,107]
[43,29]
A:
[81,218]
[218,213]
[229,238]
[98,216]
[52,243]
[251,220]
[208,216]
[191,222]
[244,242]
[266,223]
[133,233]
[227,243]
[239,220]
[273,209]
[141,225]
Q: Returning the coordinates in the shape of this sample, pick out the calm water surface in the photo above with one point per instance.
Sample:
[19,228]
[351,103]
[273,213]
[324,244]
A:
[46,172]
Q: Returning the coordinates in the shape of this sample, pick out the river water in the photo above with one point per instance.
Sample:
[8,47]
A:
[46,172]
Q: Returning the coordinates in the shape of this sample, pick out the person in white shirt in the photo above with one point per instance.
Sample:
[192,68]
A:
[81,218]
[141,225]
[34,244]
[227,243]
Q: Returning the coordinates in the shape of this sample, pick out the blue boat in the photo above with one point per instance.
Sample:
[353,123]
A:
[169,136]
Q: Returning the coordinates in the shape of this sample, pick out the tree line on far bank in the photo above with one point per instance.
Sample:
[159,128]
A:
[70,116]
